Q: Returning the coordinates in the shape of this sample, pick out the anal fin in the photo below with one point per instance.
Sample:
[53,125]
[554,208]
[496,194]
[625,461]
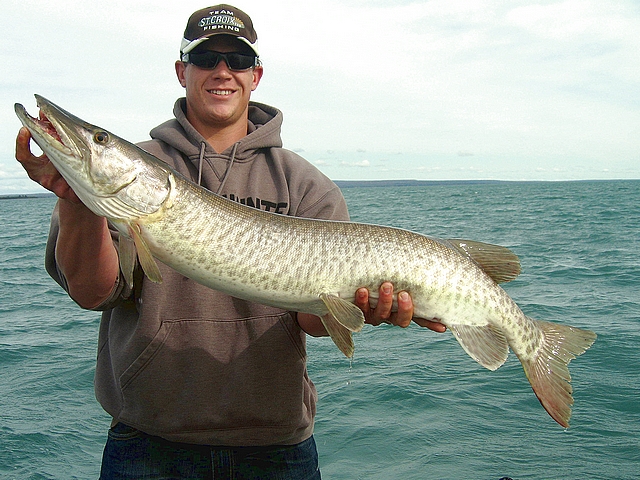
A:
[485,344]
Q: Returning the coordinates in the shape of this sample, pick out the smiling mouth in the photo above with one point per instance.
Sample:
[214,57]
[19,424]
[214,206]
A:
[220,92]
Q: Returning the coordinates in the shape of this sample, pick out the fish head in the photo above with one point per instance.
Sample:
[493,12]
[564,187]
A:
[110,175]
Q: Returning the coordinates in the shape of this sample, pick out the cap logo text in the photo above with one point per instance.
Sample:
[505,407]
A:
[221,20]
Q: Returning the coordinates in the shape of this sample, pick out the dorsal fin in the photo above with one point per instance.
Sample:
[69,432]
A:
[500,263]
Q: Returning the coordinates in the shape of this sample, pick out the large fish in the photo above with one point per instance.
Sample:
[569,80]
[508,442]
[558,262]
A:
[305,265]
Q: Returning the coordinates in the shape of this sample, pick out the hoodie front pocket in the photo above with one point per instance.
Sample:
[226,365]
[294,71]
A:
[198,376]
[147,355]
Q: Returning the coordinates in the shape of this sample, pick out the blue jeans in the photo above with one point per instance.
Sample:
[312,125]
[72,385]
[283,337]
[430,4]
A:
[132,454]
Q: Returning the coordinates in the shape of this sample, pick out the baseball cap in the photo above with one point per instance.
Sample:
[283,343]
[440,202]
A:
[218,20]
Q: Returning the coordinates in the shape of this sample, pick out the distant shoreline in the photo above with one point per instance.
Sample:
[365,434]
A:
[410,183]
[11,196]
[385,183]
[430,183]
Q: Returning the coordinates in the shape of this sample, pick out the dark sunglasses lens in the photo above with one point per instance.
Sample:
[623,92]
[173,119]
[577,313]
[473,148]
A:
[238,61]
[210,60]
[204,60]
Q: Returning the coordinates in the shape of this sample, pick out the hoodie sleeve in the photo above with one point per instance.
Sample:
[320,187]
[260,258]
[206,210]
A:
[329,206]
[312,194]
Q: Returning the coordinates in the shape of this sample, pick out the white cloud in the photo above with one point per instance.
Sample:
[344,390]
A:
[361,164]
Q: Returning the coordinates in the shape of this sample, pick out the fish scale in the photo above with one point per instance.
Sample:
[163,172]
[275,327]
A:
[305,265]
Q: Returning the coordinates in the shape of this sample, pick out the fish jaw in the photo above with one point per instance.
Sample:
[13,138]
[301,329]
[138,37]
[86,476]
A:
[56,142]
[74,147]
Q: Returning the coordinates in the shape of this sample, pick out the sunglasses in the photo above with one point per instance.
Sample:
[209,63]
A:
[210,60]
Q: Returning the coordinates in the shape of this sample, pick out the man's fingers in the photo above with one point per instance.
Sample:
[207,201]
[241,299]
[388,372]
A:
[431,324]
[32,164]
[382,312]
[22,145]
[40,169]
[405,310]
[36,167]
[362,301]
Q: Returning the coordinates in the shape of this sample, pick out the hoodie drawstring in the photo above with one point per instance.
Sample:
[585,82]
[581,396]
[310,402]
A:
[226,173]
[203,147]
[232,159]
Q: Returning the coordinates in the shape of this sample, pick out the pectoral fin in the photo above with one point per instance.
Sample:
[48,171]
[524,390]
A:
[486,345]
[127,256]
[346,313]
[339,334]
[147,262]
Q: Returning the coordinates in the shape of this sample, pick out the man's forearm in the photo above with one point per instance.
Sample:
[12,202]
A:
[85,254]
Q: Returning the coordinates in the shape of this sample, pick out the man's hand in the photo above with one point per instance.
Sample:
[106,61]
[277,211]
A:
[41,170]
[382,313]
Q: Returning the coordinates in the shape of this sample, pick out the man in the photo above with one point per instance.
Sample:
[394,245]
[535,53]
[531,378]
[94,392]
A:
[200,384]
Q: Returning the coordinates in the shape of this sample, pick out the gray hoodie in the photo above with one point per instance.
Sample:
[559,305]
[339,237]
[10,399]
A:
[191,364]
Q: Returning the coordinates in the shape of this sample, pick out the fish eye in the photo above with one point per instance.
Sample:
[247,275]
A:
[101,138]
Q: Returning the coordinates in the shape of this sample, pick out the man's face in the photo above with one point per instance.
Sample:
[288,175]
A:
[219,97]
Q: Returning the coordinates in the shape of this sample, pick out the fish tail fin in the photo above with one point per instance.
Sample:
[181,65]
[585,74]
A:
[548,370]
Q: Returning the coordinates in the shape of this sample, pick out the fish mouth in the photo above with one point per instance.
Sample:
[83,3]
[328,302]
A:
[42,126]
[49,129]
[46,126]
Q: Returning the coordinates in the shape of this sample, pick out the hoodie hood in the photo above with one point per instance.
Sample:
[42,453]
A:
[264,128]
[208,167]
[256,171]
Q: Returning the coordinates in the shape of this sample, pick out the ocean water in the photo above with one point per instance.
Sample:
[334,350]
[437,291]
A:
[412,404]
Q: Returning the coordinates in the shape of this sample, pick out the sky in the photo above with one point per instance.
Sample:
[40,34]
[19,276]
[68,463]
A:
[370,89]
